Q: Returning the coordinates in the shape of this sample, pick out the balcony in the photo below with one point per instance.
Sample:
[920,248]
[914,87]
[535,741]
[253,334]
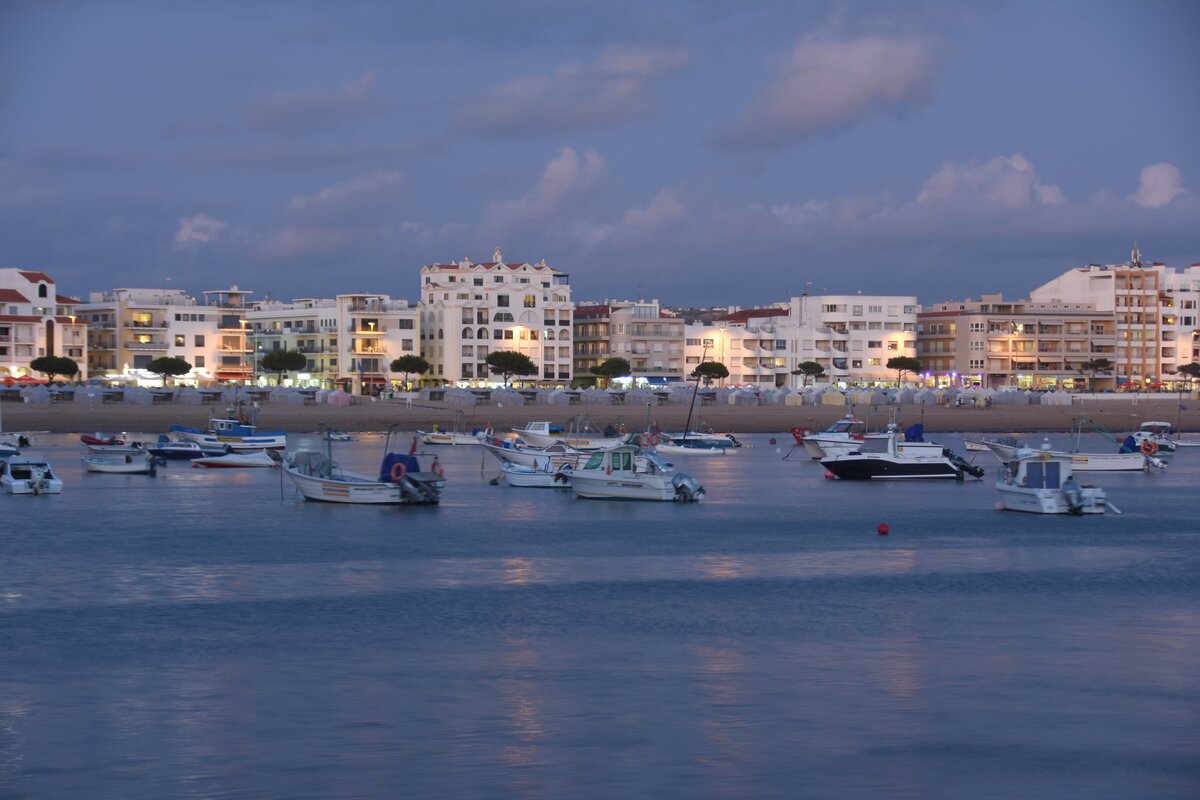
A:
[143,346]
[141,326]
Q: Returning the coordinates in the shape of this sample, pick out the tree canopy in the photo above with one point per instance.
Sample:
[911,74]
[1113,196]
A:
[612,368]
[903,364]
[1095,365]
[281,361]
[710,371]
[169,366]
[508,363]
[54,365]
[809,369]
[410,365]
[1190,370]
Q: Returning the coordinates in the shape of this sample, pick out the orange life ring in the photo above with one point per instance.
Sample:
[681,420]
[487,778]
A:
[1148,447]
[398,471]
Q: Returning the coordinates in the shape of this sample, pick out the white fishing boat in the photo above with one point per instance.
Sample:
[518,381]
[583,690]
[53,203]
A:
[508,451]
[28,476]
[689,447]
[614,475]
[238,430]
[115,450]
[1129,459]
[1042,482]
[400,481]
[579,434]
[139,463]
[1151,438]
[457,435]
[544,475]
[183,449]
[702,439]
[847,430]
[258,459]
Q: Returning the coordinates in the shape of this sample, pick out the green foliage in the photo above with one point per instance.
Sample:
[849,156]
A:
[168,366]
[903,364]
[507,363]
[281,361]
[809,369]
[410,365]
[612,368]
[1190,370]
[1090,368]
[54,365]
[710,371]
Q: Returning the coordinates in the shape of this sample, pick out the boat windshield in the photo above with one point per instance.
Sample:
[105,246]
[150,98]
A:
[595,462]
[845,426]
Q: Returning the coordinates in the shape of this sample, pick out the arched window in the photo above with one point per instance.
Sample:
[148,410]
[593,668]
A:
[42,290]
[441,334]
[503,316]
[468,333]
[549,334]
[564,335]
[482,333]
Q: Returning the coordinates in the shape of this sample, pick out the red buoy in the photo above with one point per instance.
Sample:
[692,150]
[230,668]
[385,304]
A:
[882,529]
[828,475]
[772,440]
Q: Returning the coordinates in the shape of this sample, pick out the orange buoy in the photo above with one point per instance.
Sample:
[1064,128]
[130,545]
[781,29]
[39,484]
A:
[882,529]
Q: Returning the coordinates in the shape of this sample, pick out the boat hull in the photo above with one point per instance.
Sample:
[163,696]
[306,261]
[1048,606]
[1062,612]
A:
[1047,501]
[29,478]
[880,468]
[134,466]
[271,440]
[612,487]
[447,438]
[1108,462]
[361,490]
[521,477]
[237,461]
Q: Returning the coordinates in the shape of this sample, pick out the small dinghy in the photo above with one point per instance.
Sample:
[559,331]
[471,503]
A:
[239,460]
[138,463]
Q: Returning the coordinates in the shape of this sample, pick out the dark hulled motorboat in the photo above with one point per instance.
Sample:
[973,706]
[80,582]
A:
[901,461]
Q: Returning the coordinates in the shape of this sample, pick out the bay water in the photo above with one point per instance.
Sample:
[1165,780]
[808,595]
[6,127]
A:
[207,634]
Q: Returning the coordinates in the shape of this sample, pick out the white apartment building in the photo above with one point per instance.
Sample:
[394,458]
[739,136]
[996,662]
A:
[129,328]
[469,310]
[1155,308]
[851,336]
[349,340]
[639,331]
[35,321]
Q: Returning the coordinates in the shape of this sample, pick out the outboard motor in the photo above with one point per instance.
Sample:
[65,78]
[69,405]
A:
[22,441]
[962,465]
[687,488]
[1073,495]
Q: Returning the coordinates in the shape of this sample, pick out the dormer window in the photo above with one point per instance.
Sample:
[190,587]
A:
[42,292]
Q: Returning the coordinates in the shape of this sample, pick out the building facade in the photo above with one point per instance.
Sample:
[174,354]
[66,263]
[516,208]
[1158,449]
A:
[36,321]
[349,341]
[641,332]
[998,343]
[470,310]
[1154,307]
[751,343]
[129,328]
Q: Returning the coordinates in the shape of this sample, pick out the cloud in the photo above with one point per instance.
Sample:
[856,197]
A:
[1004,181]
[368,188]
[828,84]
[662,212]
[564,180]
[302,112]
[1158,185]
[294,242]
[197,230]
[614,89]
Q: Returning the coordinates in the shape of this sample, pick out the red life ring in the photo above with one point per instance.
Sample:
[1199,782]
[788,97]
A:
[655,440]
[1148,447]
[643,440]
[398,471]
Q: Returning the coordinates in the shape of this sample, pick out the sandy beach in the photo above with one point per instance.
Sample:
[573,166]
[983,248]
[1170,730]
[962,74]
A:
[1118,416]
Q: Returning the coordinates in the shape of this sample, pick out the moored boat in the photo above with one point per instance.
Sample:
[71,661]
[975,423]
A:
[237,430]
[544,475]
[579,435]
[99,438]
[400,481]
[239,460]
[29,476]
[615,475]
[183,449]
[139,463]
[1042,482]
[901,461]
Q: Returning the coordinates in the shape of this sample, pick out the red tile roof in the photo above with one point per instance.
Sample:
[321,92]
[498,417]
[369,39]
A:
[34,277]
[11,296]
[746,314]
[592,311]
[63,300]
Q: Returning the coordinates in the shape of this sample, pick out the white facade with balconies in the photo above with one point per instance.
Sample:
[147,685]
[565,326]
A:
[36,321]
[469,310]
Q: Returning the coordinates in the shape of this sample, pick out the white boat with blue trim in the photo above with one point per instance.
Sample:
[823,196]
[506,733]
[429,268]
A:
[238,430]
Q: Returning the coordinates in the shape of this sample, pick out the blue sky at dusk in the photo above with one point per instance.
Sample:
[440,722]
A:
[698,152]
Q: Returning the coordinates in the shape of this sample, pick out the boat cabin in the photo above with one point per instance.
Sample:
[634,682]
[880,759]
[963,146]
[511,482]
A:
[1163,429]
[852,426]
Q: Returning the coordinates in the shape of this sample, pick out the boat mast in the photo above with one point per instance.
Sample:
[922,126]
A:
[688,425]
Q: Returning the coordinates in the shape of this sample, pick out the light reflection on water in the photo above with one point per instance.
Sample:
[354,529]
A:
[205,634]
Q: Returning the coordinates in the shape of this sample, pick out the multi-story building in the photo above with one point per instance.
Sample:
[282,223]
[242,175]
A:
[1154,307]
[993,343]
[851,336]
[129,328]
[752,343]
[642,333]
[469,310]
[35,321]
[350,340]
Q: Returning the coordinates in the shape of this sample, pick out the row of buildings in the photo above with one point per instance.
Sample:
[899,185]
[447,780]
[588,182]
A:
[1140,318]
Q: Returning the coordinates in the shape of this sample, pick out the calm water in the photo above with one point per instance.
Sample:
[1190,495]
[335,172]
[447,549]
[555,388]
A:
[203,634]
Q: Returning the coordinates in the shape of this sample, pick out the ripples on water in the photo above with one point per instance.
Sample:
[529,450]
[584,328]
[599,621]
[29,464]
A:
[200,635]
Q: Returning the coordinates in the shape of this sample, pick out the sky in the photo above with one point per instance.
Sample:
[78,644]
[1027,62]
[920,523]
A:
[701,152]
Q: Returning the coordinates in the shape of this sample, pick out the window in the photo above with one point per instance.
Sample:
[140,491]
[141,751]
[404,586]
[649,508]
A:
[477,281]
[873,362]
[180,340]
[406,344]
[856,311]
[199,340]
[874,345]
[199,362]
[530,301]
[502,300]
[856,363]
[892,346]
